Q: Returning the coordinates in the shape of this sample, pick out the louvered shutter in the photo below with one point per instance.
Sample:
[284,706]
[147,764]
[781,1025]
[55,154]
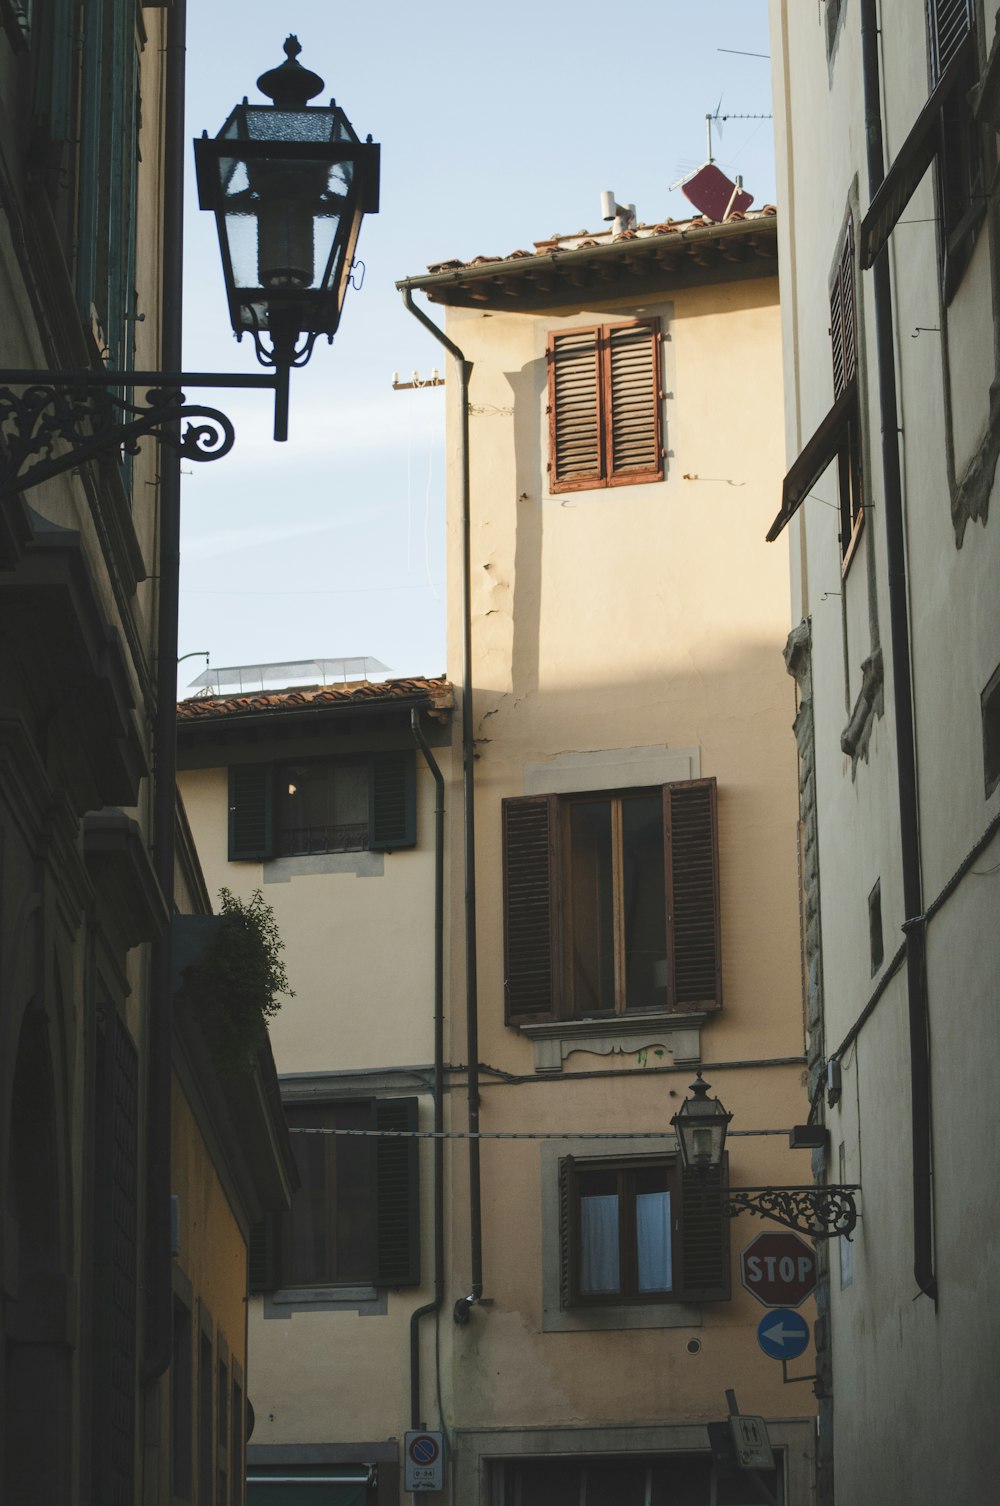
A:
[392,801]
[263,1254]
[251,824]
[631,364]
[575,441]
[530,937]
[397,1187]
[843,318]
[569,1252]
[949,23]
[701,1237]
[692,883]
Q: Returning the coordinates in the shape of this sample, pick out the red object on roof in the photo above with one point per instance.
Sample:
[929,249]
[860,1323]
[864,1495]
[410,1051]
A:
[714,194]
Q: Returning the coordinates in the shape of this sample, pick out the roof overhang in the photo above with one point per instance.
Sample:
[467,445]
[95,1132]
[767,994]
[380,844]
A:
[632,265]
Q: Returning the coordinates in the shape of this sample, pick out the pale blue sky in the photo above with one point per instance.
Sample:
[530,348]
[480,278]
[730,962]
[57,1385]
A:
[499,125]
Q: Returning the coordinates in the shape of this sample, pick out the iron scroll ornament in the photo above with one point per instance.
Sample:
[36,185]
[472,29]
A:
[93,423]
[819,1212]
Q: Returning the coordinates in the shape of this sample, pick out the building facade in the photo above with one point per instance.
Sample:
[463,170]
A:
[95,1082]
[635,858]
[886,122]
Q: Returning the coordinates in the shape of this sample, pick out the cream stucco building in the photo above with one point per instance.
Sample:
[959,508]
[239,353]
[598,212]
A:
[886,141]
[620,913]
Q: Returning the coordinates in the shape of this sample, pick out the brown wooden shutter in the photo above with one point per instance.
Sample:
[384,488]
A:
[949,23]
[530,828]
[575,440]
[691,844]
[397,1188]
[251,812]
[630,356]
[569,1251]
[701,1237]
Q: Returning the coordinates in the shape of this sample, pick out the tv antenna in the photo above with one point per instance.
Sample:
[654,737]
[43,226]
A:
[707,187]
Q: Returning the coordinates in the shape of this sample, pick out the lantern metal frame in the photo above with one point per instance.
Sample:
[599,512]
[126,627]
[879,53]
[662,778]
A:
[821,1211]
[53,421]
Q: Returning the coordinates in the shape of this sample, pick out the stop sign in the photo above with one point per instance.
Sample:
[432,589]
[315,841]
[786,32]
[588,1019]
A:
[779,1269]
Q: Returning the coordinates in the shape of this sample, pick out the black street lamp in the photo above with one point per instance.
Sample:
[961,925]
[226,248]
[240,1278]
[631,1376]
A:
[289,183]
[822,1212]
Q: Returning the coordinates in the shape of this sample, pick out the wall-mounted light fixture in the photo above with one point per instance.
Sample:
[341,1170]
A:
[822,1212]
[289,184]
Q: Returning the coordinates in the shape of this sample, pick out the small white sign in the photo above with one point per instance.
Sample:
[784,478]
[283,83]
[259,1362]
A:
[753,1446]
[424,1461]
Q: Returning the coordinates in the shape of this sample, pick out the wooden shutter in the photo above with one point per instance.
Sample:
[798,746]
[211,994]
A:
[397,1189]
[569,1244]
[701,1237]
[392,801]
[632,400]
[843,318]
[251,822]
[264,1254]
[530,934]
[691,846]
[575,433]
[949,23]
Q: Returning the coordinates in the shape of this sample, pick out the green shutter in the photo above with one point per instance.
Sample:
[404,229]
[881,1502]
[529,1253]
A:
[530,935]
[702,1240]
[263,1254]
[692,874]
[392,801]
[397,1194]
[251,820]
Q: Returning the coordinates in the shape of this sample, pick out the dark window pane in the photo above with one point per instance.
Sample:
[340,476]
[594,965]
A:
[591,897]
[322,807]
[331,1223]
[644,902]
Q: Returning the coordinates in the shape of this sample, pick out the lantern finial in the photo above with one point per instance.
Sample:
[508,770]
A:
[290,85]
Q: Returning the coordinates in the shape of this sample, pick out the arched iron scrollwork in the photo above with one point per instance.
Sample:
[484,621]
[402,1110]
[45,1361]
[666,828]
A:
[46,429]
[820,1212]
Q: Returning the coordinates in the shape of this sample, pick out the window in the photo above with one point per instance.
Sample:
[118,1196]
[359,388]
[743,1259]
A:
[322,805]
[181,1412]
[876,944]
[611,903]
[238,1436]
[621,1479]
[990,707]
[639,1230]
[844,350]
[604,406]
[354,1219]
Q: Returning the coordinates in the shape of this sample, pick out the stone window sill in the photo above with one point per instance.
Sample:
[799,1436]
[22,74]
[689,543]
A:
[624,1034]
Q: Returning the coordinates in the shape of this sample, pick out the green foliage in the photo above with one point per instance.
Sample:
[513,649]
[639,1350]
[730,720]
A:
[236,984]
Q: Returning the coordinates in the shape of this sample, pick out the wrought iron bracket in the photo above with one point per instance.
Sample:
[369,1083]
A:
[820,1212]
[53,421]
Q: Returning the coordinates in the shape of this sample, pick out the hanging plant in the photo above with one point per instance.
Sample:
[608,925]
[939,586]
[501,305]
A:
[236,984]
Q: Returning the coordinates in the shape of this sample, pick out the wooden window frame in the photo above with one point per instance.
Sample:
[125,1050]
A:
[393,1202]
[696,1218]
[392,805]
[537,986]
[605,473]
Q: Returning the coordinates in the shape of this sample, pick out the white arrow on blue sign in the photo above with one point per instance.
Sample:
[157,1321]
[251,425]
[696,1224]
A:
[782,1334]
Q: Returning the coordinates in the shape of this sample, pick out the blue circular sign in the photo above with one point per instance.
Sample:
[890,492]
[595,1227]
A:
[423,1450]
[782,1334]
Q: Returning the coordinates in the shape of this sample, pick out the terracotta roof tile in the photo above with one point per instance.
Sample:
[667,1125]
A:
[587,239]
[437,691]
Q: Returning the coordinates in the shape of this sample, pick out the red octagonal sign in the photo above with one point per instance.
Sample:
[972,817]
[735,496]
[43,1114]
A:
[779,1268]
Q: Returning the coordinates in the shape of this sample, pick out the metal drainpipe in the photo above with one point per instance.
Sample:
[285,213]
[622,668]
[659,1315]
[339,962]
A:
[159,1272]
[468,756]
[416,1421]
[914,927]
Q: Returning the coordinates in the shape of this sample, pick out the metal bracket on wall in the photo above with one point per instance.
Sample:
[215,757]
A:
[53,421]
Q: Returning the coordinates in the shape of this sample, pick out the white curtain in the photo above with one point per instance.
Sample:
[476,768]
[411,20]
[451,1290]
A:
[652,1232]
[599,1265]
